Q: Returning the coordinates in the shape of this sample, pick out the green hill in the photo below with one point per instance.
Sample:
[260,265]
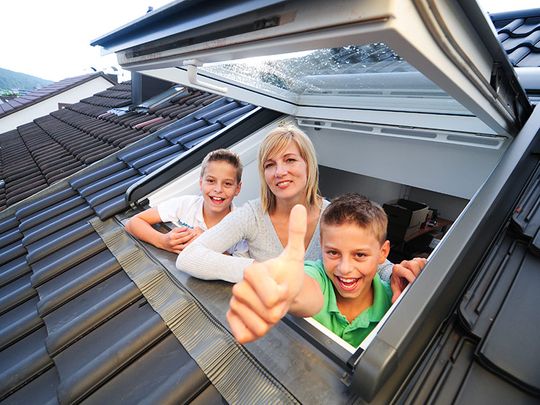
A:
[10,80]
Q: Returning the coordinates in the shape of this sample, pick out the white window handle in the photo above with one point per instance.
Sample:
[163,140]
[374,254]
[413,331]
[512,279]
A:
[192,65]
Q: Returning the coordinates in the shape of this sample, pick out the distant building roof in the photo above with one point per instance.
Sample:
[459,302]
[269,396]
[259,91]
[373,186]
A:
[35,96]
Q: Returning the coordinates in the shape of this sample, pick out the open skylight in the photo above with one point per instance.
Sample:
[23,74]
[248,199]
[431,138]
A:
[371,76]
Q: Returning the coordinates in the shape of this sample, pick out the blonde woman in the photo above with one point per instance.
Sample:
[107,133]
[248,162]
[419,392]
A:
[289,175]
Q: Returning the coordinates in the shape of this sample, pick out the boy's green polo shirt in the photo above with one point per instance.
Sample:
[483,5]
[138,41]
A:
[331,318]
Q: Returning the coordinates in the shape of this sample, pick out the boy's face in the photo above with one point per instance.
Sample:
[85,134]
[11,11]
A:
[219,186]
[351,255]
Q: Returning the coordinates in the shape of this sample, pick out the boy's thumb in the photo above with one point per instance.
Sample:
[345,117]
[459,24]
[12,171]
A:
[297,231]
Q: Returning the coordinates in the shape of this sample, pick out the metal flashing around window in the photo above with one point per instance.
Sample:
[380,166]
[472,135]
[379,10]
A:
[213,348]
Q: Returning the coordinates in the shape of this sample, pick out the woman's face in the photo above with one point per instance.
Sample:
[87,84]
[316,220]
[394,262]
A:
[286,173]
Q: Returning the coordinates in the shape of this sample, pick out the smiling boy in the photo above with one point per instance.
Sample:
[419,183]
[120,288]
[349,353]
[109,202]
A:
[220,182]
[353,241]
[343,291]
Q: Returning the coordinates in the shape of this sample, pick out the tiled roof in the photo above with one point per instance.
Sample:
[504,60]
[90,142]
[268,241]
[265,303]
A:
[488,351]
[73,325]
[55,146]
[53,89]
[519,33]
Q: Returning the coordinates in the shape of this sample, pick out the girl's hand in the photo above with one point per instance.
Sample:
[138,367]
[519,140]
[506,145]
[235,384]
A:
[177,239]
[196,232]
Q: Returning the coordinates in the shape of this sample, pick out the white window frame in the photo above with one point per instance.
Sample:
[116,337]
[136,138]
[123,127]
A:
[434,36]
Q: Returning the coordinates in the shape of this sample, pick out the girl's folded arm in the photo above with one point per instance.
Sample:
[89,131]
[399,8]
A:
[204,258]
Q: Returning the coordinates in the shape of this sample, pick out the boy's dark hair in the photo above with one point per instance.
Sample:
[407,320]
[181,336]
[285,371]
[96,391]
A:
[357,209]
[224,155]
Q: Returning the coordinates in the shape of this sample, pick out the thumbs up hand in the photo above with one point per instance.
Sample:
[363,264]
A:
[269,288]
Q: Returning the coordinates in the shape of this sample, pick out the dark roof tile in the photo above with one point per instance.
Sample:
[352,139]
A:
[58,222]
[152,166]
[157,155]
[530,60]
[519,34]
[106,182]
[9,237]
[184,381]
[21,321]
[8,223]
[73,319]
[195,141]
[111,207]
[19,195]
[23,361]
[197,134]
[529,25]
[46,202]
[67,255]
[42,387]
[13,269]
[92,176]
[143,150]
[89,362]
[59,290]
[183,129]
[112,191]
[517,55]
[529,41]
[18,291]
[89,310]
[12,251]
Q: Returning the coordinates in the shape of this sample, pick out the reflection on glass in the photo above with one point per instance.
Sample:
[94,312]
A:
[333,76]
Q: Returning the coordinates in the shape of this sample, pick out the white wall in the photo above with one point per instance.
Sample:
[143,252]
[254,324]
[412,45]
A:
[453,169]
[45,107]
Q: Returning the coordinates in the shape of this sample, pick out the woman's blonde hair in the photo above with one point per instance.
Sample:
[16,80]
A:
[274,143]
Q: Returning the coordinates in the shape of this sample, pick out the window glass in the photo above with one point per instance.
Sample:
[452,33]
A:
[371,76]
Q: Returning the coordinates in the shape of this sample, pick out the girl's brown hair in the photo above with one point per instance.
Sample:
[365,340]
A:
[224,155]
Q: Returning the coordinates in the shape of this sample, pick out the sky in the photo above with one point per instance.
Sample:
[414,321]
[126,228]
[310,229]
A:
[51,38]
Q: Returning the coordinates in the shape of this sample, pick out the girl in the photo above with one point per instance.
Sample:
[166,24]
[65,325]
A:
[220,182]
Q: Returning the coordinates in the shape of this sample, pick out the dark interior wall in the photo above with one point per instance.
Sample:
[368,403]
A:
[333,182]
[145,87]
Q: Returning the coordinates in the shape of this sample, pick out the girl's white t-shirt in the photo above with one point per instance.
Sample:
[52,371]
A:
[187,210]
